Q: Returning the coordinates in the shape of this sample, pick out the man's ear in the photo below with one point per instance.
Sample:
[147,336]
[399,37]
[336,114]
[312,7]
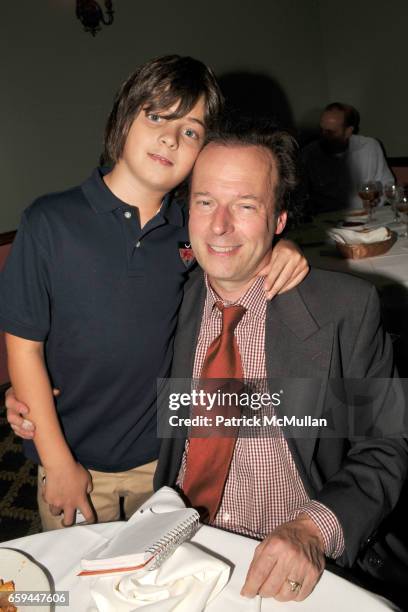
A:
[349,131]
[281,222]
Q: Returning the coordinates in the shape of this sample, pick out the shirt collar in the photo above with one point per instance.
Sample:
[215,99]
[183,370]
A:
[174,211]
[103,200]
[254,300]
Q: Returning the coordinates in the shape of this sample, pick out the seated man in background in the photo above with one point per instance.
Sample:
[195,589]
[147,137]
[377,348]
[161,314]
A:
[306,497]
[337,163]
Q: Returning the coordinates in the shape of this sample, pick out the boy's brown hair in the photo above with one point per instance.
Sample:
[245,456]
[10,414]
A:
[158,85]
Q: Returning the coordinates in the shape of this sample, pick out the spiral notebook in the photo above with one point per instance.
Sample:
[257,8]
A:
[151,535]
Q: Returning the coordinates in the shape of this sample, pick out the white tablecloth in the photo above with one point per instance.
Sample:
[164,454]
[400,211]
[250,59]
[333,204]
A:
[60,552]
[382,270]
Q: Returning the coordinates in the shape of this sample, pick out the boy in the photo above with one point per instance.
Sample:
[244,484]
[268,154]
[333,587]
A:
[90,296]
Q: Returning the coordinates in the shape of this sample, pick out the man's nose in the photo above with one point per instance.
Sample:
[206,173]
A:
[222,220]
[169,137]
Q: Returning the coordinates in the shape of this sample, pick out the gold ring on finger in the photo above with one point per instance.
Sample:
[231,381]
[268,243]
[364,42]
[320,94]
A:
[294,585]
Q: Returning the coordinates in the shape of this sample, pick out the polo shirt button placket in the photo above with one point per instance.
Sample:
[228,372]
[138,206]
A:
[127,214]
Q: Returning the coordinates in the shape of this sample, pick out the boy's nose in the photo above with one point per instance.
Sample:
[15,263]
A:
[170,138]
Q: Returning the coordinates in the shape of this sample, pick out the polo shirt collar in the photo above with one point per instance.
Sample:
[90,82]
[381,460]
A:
[174,211]
[98,194]
[103,200]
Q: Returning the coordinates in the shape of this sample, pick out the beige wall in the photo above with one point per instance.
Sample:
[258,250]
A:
[60,81]
[57,82]
[366,55]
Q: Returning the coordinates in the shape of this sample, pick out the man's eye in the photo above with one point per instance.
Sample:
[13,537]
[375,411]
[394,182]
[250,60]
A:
[203,204]
[247,207]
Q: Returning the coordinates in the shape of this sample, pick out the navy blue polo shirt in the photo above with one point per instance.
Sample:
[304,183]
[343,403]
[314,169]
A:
[103,295]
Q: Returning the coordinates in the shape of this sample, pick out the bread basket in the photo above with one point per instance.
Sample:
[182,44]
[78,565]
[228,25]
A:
[360,251]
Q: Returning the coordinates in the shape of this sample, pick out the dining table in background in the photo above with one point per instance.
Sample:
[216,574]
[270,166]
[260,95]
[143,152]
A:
[388,272]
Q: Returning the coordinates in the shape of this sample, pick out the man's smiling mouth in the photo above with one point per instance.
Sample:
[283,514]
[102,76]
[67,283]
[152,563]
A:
[223,249]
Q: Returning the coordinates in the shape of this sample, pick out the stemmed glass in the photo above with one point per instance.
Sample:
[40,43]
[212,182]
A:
[402,206]
[369,193]
[379,192]
[393,193]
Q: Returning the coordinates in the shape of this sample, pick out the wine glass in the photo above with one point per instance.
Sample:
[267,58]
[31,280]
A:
[379,193]
[369,193]
[402,206]
[392,192]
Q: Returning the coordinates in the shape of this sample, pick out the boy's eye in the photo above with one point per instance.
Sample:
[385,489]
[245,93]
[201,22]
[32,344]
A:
[191,133]
[153,117]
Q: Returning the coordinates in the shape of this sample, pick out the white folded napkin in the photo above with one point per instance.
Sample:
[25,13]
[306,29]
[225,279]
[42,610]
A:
[355,236]
[185,582]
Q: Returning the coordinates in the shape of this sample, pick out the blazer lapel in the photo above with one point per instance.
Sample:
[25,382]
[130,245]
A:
[298,354]
[188,327]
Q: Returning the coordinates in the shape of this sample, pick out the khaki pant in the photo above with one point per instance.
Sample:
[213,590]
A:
[135,486]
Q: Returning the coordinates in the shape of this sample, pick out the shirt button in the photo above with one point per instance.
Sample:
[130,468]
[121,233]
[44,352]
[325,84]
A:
[138,244]
[128,214]
[226,516]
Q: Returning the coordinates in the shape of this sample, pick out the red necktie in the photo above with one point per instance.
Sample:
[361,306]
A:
[209,458]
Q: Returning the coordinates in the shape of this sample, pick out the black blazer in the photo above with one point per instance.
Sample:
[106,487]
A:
[326,328]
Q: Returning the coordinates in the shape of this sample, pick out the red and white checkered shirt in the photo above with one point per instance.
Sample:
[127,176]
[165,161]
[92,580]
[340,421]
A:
[263,488]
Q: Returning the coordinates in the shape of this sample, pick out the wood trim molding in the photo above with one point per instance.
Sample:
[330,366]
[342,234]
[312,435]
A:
[7,237]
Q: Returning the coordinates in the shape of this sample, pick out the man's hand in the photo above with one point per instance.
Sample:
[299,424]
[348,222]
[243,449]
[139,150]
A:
[68,490]
[292,554]
[17,413]
[286,268]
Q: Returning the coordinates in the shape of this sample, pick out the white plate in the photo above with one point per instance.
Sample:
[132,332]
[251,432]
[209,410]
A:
[26,575]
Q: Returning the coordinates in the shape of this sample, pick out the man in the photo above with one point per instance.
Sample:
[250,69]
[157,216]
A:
[337,164]
[90,294]
[304,497]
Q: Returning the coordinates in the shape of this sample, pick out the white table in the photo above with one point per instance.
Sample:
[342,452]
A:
[60,552]
[389,272]
[382,270]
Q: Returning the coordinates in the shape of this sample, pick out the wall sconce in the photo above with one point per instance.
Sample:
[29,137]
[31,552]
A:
[91,15]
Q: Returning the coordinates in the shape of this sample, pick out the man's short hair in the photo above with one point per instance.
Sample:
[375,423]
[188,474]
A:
[351,114]
[158,85]
[264,133]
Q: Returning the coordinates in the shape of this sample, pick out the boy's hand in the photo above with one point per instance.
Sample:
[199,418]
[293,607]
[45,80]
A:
[17,413]
[286,268]
[67,490]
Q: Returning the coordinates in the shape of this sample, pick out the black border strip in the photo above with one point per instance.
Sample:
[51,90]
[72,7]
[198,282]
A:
[397,162]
